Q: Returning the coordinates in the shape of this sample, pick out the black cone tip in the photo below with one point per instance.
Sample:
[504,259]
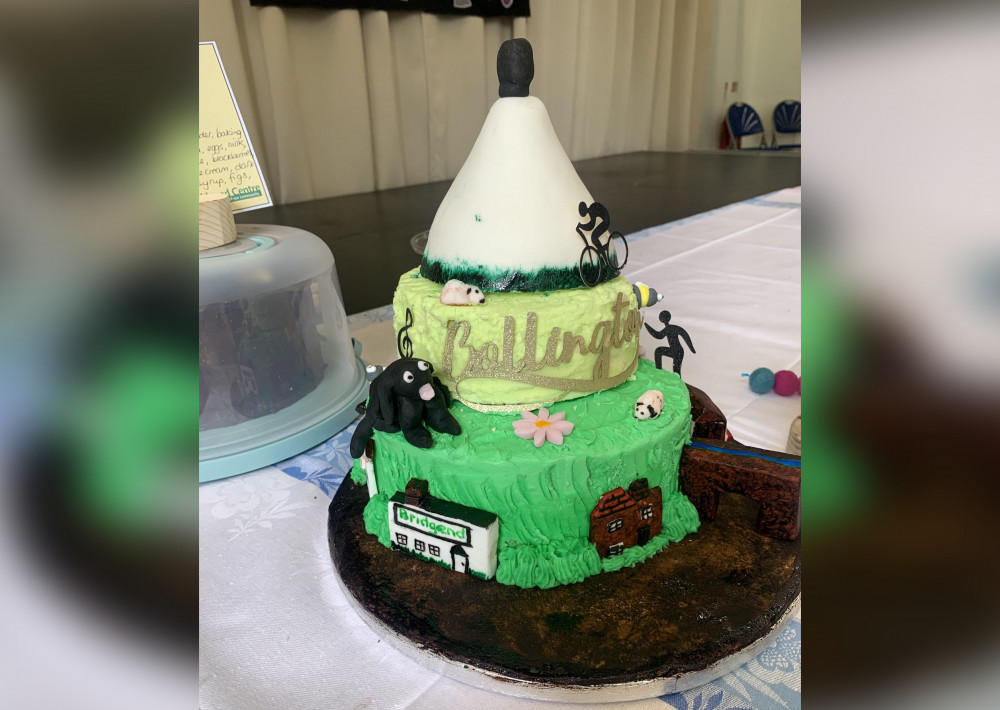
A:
[515,67]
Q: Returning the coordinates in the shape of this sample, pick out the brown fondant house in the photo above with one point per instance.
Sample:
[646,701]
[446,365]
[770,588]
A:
[625,518]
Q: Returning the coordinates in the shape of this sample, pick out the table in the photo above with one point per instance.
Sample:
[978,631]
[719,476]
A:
[276,630]
[639,189]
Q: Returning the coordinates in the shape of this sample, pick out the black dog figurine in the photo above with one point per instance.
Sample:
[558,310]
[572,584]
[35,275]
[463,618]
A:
[401,398]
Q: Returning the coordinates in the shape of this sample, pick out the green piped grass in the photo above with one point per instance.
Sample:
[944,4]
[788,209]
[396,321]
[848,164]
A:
[557,563]
[632,556]
[358,474]
[547,566]
[425,558]
[376,518]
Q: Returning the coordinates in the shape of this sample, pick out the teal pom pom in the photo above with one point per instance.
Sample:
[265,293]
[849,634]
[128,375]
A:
[761,380]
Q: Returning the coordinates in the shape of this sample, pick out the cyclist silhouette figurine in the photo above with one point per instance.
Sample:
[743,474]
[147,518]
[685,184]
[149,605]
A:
[602,250]
[673,348]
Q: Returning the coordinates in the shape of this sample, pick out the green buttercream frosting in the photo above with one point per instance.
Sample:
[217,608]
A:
[544,496]
[579,329]
[376,517]
[491,279]
[358,474]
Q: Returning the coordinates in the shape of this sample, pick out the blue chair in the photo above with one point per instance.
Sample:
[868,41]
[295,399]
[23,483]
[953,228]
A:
[742,120]
[787,119]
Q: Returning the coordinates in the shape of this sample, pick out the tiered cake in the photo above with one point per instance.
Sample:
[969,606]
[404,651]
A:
[559,459]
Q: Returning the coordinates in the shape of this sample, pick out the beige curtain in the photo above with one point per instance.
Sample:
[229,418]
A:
[346,101]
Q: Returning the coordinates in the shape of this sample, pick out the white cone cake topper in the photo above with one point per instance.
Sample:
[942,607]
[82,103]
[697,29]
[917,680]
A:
[508,222]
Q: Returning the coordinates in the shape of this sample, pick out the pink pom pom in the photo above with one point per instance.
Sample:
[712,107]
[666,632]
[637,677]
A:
[786,383]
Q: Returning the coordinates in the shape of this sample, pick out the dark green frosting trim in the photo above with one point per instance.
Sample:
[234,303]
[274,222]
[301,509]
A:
[491,280]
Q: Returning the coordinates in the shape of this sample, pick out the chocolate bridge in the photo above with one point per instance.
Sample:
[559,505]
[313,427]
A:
[711,465]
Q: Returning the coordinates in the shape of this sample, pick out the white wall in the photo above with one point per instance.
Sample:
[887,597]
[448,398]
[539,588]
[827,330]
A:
[757,44]
[348,101]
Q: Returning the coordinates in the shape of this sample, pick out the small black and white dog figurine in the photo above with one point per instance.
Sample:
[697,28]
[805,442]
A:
[402,398]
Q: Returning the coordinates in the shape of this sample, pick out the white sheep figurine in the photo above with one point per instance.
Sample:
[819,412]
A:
[457,293]
[649,405]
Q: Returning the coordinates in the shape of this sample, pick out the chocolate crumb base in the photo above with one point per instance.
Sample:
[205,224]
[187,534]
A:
[693,604]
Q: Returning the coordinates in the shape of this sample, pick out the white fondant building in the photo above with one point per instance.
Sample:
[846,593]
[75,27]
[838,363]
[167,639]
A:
[455,536]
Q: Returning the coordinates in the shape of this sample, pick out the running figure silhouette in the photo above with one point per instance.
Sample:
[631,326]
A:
[673,348]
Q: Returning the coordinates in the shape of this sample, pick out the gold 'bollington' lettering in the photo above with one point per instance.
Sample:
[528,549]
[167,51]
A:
[497,361]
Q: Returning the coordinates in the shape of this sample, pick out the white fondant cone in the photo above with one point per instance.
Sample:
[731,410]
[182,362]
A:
[514,205]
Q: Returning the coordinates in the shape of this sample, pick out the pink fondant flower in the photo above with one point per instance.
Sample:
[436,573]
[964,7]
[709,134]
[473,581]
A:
[542,427]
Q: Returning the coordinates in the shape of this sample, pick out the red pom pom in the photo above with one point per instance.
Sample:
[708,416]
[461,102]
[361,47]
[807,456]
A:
[786,383]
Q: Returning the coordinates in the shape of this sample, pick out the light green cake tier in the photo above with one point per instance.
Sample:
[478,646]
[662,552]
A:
[523,348]
[544,496]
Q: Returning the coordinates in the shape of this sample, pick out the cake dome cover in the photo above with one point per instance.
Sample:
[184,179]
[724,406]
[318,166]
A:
[508,222]
[277,370]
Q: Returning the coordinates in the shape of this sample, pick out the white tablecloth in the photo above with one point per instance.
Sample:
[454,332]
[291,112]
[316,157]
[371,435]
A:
[276,630]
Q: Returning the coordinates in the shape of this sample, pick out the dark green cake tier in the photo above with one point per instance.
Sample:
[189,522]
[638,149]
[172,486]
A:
[544,496]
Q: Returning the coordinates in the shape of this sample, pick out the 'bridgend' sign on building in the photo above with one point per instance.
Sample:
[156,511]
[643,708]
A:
[438,527]
[448,534]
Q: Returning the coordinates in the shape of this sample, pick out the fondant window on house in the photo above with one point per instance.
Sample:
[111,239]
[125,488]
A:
[401,538]
[435,550]
[647,512]
[419,545]
[616,549]
[615,524]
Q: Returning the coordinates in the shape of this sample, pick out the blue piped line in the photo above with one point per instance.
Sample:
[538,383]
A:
[783,462]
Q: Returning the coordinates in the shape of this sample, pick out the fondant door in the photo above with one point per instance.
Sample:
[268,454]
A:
[643,535]
[459,559]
